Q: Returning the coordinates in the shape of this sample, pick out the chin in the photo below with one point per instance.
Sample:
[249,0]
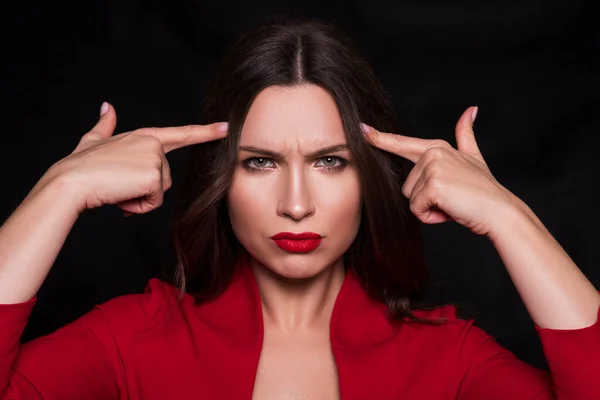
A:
[294,267]
[297,269]
[295,273]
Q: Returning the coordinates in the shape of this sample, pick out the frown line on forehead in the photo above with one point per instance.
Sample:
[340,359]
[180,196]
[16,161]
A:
[314,154]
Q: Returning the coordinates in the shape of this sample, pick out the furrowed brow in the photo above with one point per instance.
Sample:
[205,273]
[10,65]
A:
[315,154]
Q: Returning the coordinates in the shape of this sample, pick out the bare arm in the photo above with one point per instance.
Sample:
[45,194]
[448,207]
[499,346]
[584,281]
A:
[555,292]
[32,237]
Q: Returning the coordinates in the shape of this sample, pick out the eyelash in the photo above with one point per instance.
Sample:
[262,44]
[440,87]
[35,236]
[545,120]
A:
[342,163]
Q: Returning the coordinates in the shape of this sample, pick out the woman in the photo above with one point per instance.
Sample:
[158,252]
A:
[299,251]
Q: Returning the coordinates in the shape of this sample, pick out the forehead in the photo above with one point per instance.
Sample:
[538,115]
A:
[304,113]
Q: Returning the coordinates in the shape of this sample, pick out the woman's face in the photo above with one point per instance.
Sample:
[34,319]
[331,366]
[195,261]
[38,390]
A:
[280,184]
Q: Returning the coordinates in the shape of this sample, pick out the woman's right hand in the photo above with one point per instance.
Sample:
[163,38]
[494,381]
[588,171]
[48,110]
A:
[129,169]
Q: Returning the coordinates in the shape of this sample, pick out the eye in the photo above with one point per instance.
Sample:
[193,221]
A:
[255,163]
[331,163]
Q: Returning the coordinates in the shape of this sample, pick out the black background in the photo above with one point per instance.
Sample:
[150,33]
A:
[531,67]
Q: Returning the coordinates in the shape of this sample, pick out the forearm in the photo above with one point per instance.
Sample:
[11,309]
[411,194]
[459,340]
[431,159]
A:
[32,237]
[555,292]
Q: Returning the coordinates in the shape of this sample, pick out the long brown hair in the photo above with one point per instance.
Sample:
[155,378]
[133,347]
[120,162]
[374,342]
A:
[387,253]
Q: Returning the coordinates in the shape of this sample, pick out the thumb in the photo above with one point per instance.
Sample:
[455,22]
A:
[105,126]
[465,136]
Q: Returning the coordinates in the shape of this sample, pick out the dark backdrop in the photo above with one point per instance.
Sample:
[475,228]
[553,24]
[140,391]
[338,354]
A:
[532,67]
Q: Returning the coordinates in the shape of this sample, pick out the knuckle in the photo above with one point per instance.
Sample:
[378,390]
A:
[405,190]
[142,132]
[373,137]
[433,169]
[154,177]
[186,131]
[435,185]
[152,143]
[397,140]
[435,151]
[156,161]
[147,133]
[441,143]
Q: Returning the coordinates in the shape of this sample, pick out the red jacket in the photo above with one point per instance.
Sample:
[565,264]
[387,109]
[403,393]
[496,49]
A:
[147,346]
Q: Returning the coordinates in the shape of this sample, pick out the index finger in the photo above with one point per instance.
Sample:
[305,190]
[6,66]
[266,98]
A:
[408,147]
[176,137]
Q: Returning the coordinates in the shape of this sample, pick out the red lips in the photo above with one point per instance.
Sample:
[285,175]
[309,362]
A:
[297,242]
[296,236]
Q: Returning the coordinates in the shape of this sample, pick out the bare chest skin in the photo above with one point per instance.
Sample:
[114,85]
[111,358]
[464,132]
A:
[296,366]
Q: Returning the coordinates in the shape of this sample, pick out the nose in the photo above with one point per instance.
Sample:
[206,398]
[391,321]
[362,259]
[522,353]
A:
[295,197]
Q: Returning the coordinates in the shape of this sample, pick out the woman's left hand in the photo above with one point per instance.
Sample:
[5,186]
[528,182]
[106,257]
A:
[446,183]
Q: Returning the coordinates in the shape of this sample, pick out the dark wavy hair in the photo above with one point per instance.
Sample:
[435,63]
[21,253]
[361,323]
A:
[387,253]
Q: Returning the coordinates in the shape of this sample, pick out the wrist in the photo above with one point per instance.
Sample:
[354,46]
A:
[62,187]
[511,216]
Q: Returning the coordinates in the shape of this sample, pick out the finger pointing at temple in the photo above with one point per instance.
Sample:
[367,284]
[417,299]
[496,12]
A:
[408,147]
[176,137]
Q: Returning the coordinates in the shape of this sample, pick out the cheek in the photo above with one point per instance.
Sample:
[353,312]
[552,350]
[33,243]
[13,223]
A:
[246,204]
[342,201]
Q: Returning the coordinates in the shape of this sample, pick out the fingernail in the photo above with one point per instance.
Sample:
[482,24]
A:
[364,128]
[104,108]
[474,113]
[223,127]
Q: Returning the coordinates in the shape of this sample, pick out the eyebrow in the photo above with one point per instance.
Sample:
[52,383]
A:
[315,154]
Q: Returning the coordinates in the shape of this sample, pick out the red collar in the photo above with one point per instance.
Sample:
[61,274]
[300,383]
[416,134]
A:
[361,335]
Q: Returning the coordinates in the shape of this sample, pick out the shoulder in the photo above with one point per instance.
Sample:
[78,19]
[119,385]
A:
[453,317]
[458,336]
[449,312]
[454,330]
[130,313]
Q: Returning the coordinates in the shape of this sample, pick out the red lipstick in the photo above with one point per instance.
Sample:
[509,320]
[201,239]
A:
[297,242]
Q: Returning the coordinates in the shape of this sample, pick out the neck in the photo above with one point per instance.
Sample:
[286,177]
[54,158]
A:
[298,304]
